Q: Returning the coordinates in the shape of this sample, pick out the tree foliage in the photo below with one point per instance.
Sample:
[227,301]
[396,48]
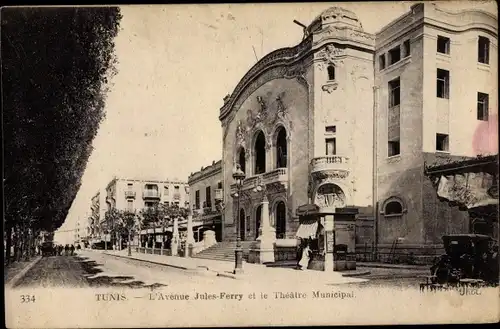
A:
[56,63]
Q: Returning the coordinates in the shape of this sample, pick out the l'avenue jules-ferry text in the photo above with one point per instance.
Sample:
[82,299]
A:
[202,296]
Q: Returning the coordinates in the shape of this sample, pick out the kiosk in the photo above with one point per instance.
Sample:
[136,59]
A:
[333,235]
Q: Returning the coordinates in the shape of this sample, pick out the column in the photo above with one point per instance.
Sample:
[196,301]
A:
[267,234]
[175,237]
[329,243]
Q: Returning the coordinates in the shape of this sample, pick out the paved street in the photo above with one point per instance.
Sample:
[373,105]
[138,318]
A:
[94,269]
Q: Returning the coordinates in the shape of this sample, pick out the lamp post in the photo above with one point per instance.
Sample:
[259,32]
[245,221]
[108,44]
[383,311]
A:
[238,176]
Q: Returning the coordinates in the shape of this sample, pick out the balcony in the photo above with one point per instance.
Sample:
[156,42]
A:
[151,194]
[130,194]
[279,175]
[336,166]
[219,194]
[275,177]
[177,196]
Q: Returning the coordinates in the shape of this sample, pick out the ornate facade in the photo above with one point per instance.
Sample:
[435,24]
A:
[289,125]
[340,121]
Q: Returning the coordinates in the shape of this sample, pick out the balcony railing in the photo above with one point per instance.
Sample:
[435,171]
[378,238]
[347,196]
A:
[177,196]
[274,176]
[151,194]
[130,194]
[330,162]
[277,175]
[219,194]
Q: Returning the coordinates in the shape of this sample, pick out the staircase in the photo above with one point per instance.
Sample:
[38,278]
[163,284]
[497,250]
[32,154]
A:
[224,251]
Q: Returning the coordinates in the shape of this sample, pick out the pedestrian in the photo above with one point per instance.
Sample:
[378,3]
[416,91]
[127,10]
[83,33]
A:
[306,256]
[66,250]
[72,249]
[298,256]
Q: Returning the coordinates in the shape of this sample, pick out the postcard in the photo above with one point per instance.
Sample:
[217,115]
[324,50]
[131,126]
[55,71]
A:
[206,165]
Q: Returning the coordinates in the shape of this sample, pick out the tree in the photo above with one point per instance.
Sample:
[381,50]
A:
[56,63]
[113,218]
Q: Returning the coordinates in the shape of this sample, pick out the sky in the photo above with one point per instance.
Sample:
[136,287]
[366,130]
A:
[175,65]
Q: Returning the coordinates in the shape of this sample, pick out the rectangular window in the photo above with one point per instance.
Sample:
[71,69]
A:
[442,142]
[394,55]
[381,61]
[331,146]
[208,196]
[482,106]
[443,84]
[129,186]
[331,129]
[219,185]
[443,45]
[130,205]
[393,148]
[197,199]
[167,203]
[406,47]
[483,50]
[165,190]
[394,92]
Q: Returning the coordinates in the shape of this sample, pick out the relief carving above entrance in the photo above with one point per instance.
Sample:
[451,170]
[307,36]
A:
[330,196]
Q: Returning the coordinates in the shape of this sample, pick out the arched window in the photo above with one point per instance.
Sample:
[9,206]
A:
[331,72]
[241,159]
[281,148]
[393,207]
[280,216]
[260,154]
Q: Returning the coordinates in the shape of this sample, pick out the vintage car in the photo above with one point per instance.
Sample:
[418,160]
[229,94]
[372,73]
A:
[47,248]
[468,258]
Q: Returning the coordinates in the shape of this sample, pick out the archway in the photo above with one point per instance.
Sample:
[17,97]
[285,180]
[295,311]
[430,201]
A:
[281,148]
[258,218]
[260,153]
[241,159]
[280,216]
[242,225]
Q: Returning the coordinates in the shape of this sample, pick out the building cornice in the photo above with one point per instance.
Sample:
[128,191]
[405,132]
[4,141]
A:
[205,172]
[152,181]
[290,57]
[430,14]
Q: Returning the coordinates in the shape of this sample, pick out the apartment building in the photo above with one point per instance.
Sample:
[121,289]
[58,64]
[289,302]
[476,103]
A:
[206,198]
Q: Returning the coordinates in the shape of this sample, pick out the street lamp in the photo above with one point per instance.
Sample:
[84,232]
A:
[238,176]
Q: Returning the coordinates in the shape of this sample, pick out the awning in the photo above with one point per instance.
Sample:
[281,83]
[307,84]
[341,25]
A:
[307,229]
[470,189]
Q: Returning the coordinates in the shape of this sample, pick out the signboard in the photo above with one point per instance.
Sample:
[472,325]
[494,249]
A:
[107,237]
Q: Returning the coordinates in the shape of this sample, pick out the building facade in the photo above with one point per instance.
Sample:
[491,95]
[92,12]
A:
[136,194]
[348,119]
[206,198]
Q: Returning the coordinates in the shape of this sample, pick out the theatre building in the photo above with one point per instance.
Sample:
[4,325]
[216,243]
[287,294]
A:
[347,120]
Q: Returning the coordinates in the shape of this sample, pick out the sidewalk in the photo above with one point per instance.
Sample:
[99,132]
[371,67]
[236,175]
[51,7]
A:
[15,271]
[395,266]
[252,272]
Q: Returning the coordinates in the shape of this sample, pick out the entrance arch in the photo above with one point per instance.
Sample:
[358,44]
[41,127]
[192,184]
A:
[280,215]
[258,218]
[281,148]
[242,224]
[260,154]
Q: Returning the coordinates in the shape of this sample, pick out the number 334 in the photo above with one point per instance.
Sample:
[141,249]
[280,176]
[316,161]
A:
[27,298]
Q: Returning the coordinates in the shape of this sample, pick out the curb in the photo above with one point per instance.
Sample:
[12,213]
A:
[12,282]
[153,262]
[391,267]
[350,275]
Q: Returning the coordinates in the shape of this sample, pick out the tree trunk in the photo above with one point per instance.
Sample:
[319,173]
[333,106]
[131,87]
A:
[162,239]
[8,243]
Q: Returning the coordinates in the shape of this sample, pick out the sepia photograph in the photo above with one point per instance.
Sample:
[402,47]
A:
[256,164]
